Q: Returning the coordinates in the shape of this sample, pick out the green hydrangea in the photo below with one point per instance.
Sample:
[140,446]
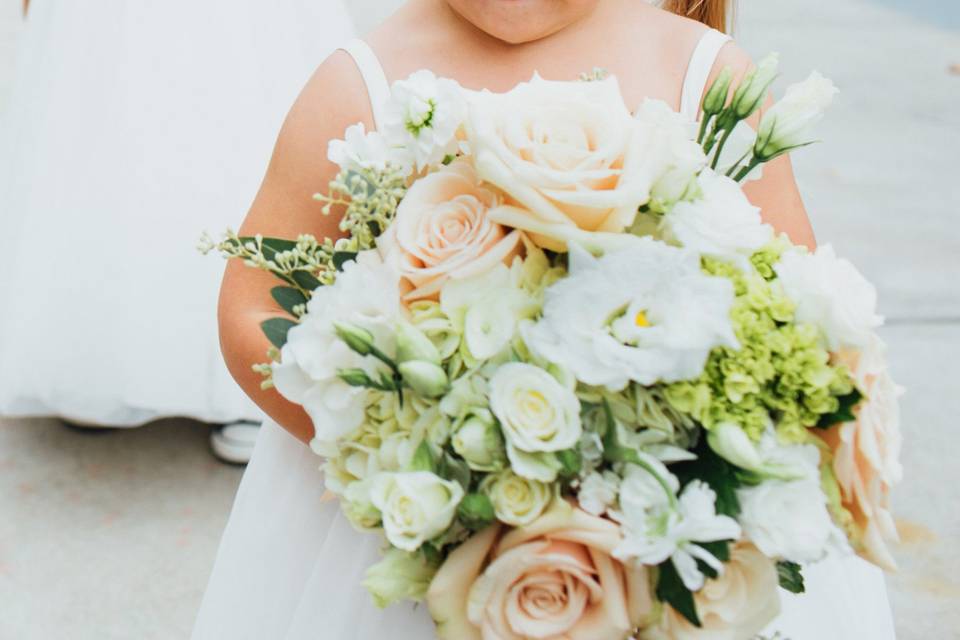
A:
[781,372]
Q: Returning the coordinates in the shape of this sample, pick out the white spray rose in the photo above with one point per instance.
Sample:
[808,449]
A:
[399,576]
[423,117]
[365,295]
[720,223]
[538,415]
[517,501]
[789,123]
[609,326]
[478,441]
[416,506]
[831,293]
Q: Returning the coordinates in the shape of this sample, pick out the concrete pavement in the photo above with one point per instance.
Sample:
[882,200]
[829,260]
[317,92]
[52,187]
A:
[111,536]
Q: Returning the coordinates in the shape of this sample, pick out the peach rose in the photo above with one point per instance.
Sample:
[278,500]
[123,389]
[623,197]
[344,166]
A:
[442,231]
[554,579]
[738,604]
[866,453]
[569,155]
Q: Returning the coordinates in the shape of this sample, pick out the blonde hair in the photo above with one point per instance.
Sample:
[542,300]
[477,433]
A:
[713,13]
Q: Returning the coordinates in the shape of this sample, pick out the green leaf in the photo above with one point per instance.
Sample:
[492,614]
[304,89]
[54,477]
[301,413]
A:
[845,413]
[720,475]
[720,550]
[570,462]
[306,280]
[288,298]
[476,511]
[423,459]
[791,576]
[670,589]
[452,468]
[342,257]
[276,330]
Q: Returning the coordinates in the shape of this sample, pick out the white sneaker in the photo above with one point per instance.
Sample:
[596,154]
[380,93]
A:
[234,442]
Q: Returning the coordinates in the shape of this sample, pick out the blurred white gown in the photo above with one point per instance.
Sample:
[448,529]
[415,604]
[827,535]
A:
[134,126]
[290,566]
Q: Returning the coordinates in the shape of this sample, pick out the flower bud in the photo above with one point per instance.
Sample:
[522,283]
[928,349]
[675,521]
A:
[357,338]
[355,377]
[476,511]
[751,93]
[716,98]
[413,344]
[426,378]
[731,443]
[789,123]
[479,442]
[399,576]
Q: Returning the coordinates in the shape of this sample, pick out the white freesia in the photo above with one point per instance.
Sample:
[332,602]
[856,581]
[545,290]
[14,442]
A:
[831,293]
[538,416]
[657,526]
[568,153]
[646,314]
[416,506]
[789,123]
[517,501]
[423,117]
[487,308]
[721,222]
[365,295]
[598,492]
[361,150]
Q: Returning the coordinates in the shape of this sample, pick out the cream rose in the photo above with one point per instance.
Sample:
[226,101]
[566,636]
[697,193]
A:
[554,579]
[516,500]
[442,231]
[415,506]
[738,604]
[866,454]
[570,156]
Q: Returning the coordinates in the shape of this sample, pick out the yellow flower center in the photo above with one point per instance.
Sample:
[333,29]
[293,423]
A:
[641,319]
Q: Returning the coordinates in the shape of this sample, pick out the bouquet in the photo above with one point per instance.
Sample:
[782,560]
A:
[561,365]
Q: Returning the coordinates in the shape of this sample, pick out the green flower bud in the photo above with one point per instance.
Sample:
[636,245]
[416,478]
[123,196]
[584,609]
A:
[731,443]
[476,511]
[357,338]
[399,576]
[716,98]
[752,92]
[355,377]
[479,442]
[426,378]
[413,344]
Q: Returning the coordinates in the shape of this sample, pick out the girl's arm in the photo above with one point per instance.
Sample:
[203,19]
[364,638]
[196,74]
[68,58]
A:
[333,99]
[776,193]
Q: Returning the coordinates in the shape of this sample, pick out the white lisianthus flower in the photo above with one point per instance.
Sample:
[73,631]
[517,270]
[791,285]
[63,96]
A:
[365,295]
[767,458]
[646,313]
[598,492]
[790,520]
[831,293]
[681,158]
[657,526]
[423,117]
[416,506]
[487,308]
[399,576]
[720,223]
[789,123]
[361,150]
[517,501]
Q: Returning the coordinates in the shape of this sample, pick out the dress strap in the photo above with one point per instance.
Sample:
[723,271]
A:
[378,88]
[701,64]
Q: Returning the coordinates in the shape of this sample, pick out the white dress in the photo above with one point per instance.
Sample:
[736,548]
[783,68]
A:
[133,127]
[290,565]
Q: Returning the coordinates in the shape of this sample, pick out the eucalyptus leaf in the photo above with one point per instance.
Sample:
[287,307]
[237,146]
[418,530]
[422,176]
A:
[845,413]
[288,298]
[306,280]
[791,576]
[276,330]
[342,257]
[670,589]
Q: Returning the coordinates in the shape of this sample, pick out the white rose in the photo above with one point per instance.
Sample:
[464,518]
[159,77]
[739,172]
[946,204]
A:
[736,605]
[538,416]
[720,223]
[399,576]
[416,506]
[831,293]
[517,501]
[598,492]
[423,117]
[568,153]
[365,295]
[789,123]
[478,441]
[646,313]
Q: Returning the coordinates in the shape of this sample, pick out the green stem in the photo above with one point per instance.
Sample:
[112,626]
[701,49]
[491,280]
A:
[723,143]
[754,163]
[736,165]
[703,128]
